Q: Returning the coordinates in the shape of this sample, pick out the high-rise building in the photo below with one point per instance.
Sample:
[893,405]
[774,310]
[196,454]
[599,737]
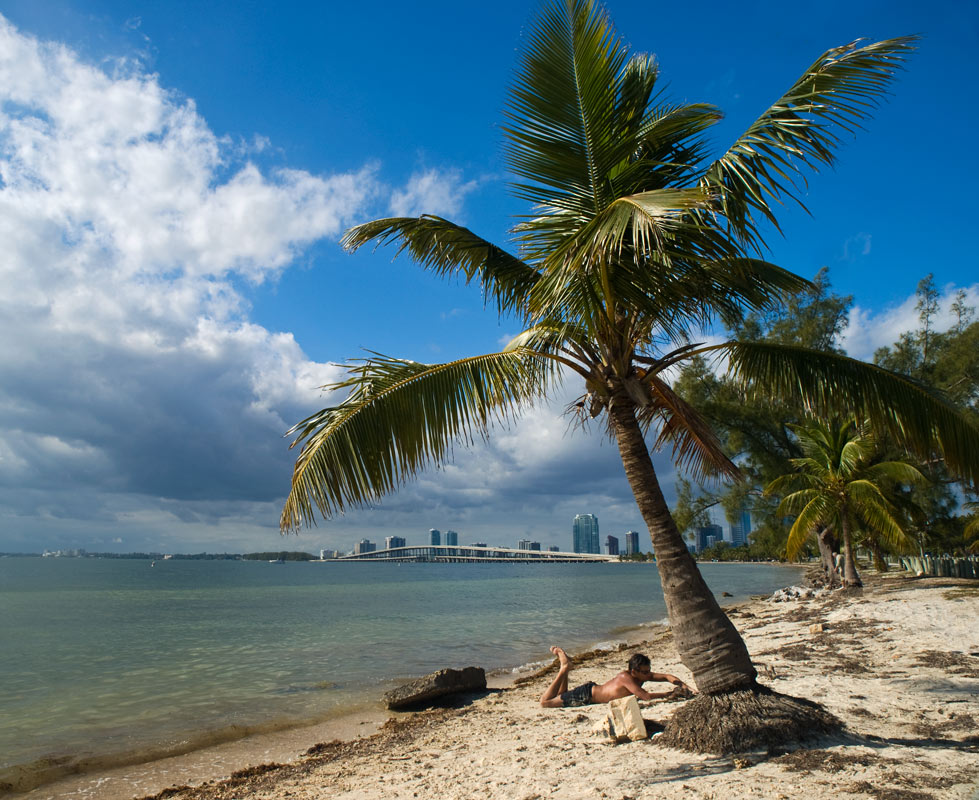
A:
[612,545]
[585,534]
[527,544]
[394,541]
[708,536]
[435,537]
[364,546]
[631,542]
[553,549]
[741,528]
[451,537]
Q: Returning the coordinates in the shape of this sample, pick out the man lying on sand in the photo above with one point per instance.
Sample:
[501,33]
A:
[627,682]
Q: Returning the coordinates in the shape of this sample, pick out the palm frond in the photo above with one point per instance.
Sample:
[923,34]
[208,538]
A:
[921,418]
[696,448]
[647,218]
[446,249]
[876,513]
[815,511]
[896,472]
[802,129]
[788,483]
[971,530]
[562,106]
[399,417]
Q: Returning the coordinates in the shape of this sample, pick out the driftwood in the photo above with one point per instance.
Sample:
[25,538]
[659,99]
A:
[422,691]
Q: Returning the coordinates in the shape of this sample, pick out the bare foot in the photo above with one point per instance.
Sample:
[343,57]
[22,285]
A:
[562,657]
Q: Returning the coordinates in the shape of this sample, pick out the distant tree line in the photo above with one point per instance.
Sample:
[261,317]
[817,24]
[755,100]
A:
[763,439]
[291,555]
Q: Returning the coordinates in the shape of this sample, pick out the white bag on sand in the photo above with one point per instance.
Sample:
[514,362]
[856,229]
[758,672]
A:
[624,721]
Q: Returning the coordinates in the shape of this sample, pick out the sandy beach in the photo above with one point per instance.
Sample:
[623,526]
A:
[899,664]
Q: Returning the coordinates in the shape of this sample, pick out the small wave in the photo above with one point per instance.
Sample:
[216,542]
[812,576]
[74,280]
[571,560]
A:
[320,686]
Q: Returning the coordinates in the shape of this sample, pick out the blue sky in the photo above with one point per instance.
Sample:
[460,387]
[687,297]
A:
[174,178]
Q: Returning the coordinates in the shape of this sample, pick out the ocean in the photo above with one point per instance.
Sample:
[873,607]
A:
[106,661]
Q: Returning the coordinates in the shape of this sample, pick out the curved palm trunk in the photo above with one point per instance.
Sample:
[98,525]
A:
[850,576]
[706,640]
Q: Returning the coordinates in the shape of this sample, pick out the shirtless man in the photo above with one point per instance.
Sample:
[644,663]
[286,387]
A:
[627,682]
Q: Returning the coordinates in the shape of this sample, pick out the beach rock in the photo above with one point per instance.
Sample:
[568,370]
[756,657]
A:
[796,593]
[438,684]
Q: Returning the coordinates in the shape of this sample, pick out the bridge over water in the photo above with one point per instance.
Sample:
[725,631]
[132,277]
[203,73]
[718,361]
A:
[471,553]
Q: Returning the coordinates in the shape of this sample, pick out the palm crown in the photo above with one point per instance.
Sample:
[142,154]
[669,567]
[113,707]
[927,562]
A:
[837,484]
[635,239]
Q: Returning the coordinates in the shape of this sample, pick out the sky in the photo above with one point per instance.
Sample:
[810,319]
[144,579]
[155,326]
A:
[174,180]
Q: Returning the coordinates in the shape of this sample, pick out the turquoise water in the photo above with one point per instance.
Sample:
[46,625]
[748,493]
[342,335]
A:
[103,659]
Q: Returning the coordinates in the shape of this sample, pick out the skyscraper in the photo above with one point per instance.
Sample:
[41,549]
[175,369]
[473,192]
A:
[393,541]
[741,528]
[364,546]
[708,536]
[451,537]
[435,537]
[631,542]
[612,545]
[585,534]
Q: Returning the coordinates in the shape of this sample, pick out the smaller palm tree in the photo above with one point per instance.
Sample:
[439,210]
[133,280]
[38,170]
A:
[972,526]
[835,485]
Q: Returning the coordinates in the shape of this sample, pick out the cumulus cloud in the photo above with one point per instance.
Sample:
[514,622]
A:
[130,375]
[438,192]
[868,330]
[140,407]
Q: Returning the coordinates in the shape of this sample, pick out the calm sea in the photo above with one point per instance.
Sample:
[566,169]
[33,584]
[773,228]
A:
[104,660]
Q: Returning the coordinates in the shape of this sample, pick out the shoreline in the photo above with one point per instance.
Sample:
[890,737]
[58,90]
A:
[898,663]
[121,776]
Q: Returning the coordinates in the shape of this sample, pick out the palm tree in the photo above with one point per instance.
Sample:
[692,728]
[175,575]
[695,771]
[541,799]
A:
[635,240]
[836,486]
[972,525]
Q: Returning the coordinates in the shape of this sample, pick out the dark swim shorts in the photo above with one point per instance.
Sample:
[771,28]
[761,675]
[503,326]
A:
[579,696]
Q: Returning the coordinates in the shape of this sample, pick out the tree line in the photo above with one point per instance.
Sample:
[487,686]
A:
[898,504]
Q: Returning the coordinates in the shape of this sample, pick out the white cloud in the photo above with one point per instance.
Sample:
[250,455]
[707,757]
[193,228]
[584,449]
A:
[857,245]
[868,330]
[130,376]
[138,402]
[432,192]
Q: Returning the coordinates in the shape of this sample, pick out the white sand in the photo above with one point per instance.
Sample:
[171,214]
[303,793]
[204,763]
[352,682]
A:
[899,665]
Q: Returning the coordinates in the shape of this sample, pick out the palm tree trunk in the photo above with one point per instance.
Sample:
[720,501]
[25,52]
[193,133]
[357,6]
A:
[880,562]
[826,555]
[706,640]
[850,576]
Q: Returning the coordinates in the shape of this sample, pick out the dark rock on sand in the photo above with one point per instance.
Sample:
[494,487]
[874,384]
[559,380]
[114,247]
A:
[437,684]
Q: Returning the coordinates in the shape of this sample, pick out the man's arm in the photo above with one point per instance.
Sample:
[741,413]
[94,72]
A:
[665,677]
[635,687]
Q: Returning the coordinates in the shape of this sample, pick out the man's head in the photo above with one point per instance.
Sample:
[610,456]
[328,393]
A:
[639,663]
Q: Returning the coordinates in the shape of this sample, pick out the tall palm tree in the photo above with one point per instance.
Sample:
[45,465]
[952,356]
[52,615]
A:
[635,239]
[835,485]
